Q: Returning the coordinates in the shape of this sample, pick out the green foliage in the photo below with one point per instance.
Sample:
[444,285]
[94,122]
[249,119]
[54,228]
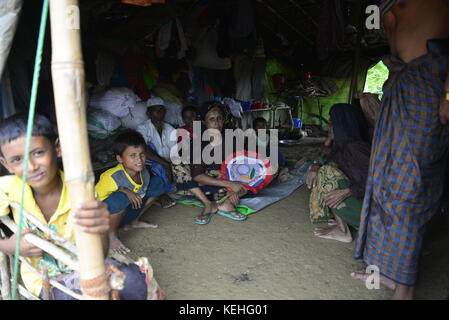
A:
[376,78]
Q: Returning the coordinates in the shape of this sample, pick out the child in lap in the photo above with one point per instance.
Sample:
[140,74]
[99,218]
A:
[128,189]
[46,197]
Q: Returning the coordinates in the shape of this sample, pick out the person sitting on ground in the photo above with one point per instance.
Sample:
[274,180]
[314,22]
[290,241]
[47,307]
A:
[157,135]
[206,178]
[263,142]
[338,186]
[46,197]
[188,114]
[127,188]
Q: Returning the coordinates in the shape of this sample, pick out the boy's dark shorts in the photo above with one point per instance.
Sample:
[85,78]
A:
[118,201]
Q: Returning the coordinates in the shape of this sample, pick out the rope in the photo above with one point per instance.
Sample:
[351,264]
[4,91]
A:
[37,69]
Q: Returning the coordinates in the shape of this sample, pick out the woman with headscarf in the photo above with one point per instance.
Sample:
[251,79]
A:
[338,184]
[205,181]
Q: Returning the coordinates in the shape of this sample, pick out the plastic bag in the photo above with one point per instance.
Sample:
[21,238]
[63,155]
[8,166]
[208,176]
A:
[173,114]
[136,117]
[118,101]
[101,124]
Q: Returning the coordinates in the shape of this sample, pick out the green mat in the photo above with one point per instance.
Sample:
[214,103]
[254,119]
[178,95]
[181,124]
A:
[242,209]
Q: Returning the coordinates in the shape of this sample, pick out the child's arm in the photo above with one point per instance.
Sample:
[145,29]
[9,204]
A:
[27,249]
[135,200]
[94,217]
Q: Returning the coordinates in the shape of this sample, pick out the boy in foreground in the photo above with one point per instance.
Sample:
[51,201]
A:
[46,197]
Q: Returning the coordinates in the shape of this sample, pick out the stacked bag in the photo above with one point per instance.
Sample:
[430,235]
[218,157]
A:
[106,110]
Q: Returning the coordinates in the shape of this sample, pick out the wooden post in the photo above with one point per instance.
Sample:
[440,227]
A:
[69,91]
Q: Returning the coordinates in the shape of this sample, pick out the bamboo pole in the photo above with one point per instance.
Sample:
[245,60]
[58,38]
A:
[69,91]
[4,277]
[293,2]
[274,12]
[4,274]
[54,283]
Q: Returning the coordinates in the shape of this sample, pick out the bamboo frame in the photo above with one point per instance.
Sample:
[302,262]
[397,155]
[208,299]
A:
[273,11]
[51,233]
[70,101]
[4,277]
[49,247]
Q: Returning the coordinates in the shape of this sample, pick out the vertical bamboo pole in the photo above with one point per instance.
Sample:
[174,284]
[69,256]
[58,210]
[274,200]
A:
[69,91]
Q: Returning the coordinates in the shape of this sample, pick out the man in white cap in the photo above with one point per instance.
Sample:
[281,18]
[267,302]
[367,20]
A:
[157,134]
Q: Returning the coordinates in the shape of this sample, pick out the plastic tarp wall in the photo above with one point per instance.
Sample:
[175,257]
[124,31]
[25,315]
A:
[9,17]
[340,72]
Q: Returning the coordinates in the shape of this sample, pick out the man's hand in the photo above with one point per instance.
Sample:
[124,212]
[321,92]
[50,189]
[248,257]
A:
[334,198]
[444,111]
[26,249]
[136,201]
[237,187]
[93,217]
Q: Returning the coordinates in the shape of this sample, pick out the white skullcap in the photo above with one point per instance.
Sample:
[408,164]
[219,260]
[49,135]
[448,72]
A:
[155,101]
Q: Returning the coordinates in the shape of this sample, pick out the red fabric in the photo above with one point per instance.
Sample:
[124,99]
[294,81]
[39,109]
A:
[134,65]
[143,3]
[267,179]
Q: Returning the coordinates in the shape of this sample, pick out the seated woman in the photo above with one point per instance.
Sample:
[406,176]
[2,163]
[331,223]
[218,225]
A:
[338,185]
[205,178]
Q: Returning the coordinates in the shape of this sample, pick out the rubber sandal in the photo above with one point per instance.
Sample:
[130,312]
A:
[168,204]
[208,215]
[228,214]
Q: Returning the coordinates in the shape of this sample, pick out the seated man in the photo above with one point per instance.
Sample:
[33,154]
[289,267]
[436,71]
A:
[46,198]
[157,135]
[128,189]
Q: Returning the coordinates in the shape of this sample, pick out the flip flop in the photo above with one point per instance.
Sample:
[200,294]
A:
[168,204]
[228,214]
[208,215]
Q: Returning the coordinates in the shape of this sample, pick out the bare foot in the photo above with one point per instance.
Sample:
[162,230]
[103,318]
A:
[116,246]
[227,206]
[362,275]
[333,233]
[140,225]
[283,175]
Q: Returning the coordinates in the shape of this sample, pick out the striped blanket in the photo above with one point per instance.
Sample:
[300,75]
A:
[408,161]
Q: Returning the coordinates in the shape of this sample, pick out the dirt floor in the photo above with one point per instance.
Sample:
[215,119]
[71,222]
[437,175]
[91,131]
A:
[271,255]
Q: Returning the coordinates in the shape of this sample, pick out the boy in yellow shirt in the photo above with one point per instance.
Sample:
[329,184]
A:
[47,199]
[127,188]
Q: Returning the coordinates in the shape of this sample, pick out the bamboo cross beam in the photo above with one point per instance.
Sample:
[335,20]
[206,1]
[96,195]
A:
[54,283]
[43,244]
[51,233]
[273,11]
[4,277]
[70,101]
[303,11]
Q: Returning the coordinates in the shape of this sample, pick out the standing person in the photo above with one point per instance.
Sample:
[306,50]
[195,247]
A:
[127,188]
[410,145]
[157,135]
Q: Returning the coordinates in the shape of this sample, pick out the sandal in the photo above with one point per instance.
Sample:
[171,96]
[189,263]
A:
[201,221]
[168,203]
[228,214]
